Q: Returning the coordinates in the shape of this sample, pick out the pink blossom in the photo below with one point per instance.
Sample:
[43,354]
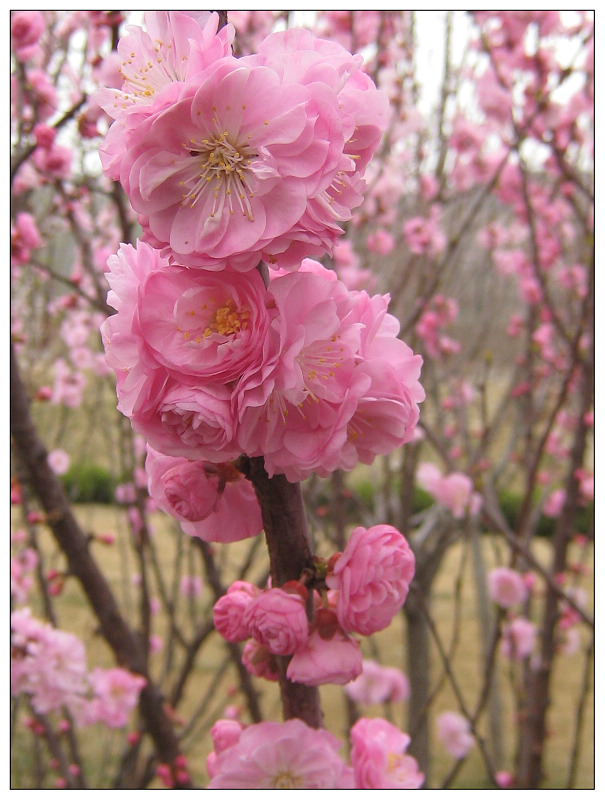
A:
[372,577]
[125,493]
[277,619]
[454,731]
[506,587]
[378,684]
[229,611]
[302,59]
[454,491]
[423,234]
[54,161]
[211,501]
[554,503]
[46,663]
[378,757]
[281,755]
[380,242]
[225,733]
[309,364]
[196,422]
[571,641]
[284,168]
[68,385]
[504,779]
[116,694]
[518,639]
[187,325]
[261,173]
[26,28]
[259,661]
[178,44]
[387,413]
[24,237]
[326,657]
[59,461]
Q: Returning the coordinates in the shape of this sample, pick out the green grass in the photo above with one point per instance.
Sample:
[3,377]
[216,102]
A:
[101,748]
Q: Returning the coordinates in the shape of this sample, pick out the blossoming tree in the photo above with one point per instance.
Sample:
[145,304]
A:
[272,240]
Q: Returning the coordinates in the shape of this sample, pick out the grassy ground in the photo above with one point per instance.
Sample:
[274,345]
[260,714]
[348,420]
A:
[101,748]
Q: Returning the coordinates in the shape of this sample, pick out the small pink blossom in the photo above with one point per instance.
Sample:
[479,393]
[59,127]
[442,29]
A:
[380,242]
[277,619]
[372,577]
[229,611]
[211,501]
[378,684]
[454,490]
[281,755]
[378,757]
[116,694]
[423,235]
[506,587]
[225,733]
[328,656]
[554,503]
[454,731]
[25,237]
[58,461]
[259,661]
[26,28]
[518,639]
[504,779]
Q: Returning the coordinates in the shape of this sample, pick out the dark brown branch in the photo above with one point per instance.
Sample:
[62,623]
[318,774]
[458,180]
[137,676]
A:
[291,556]
[127,647]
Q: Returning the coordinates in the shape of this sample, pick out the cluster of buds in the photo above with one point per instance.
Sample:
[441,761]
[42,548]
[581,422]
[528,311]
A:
[315,620]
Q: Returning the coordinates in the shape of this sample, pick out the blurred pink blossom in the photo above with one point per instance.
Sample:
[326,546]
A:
[506,587]
[59,461]
[116,694]
[26,28]
[518,639]
[553,504]
[378,684]
[454,491]
[454,731]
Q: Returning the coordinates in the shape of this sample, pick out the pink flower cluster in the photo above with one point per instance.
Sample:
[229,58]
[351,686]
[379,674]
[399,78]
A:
[209,365]
[291,755]
[228,160]
[49,665]
[365,587]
